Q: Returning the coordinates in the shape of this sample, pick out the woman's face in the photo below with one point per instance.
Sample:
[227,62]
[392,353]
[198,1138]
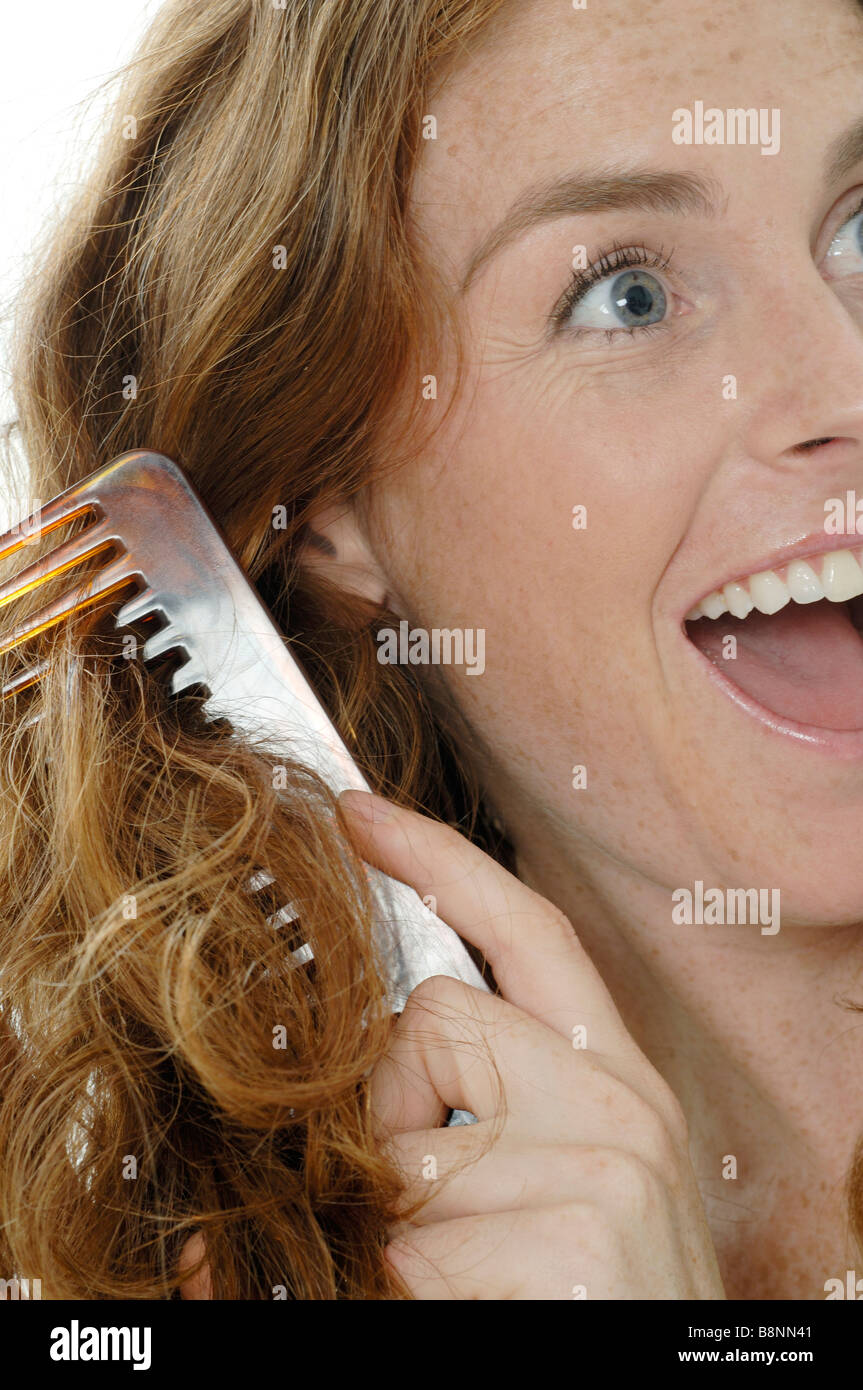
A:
[702,410]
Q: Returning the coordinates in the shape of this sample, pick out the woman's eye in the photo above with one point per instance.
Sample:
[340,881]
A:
[626,300]
[845,252]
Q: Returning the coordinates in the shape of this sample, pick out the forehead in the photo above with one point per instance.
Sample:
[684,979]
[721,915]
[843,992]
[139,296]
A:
[547,89]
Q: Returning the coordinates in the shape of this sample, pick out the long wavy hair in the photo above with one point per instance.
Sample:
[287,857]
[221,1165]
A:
[240,289]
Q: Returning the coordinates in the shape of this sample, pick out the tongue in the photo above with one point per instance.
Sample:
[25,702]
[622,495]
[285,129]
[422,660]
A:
[804,662]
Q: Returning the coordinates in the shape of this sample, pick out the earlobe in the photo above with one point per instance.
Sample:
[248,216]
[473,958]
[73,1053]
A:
[337,548]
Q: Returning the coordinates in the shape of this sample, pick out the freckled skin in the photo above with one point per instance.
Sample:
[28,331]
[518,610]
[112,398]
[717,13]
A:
[585,661]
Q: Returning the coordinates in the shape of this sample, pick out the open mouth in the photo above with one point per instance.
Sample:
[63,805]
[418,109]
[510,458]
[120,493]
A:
[799,638]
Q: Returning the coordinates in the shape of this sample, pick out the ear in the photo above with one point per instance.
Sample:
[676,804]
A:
[337,548]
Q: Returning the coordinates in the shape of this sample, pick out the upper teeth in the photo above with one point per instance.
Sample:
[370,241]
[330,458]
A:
[841,578]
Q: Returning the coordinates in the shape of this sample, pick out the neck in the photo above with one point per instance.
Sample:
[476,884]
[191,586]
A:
[753,1033]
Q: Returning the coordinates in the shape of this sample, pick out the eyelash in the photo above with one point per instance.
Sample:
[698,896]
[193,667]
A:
[849,217]
[611,261]
[608,262]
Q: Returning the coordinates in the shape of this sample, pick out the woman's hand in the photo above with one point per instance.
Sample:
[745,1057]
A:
[576,1182]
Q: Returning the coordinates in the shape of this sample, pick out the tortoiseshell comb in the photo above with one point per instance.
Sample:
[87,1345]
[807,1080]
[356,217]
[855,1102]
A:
[150,530]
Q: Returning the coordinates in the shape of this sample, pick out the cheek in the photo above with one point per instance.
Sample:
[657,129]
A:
[554,509]
[484,537]
[481,536]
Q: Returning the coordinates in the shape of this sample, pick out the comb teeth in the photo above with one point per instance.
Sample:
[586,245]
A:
[261,878]
[112,577]
[141,605]
[139,504]
[77,500]
[65,507]
[190,673]
[29,677]
[83,546]
[191,670]
[161,642]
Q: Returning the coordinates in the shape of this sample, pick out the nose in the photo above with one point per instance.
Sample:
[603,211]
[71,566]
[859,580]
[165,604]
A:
[806,353]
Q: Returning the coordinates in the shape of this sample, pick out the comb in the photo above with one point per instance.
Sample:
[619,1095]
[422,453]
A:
[148,527]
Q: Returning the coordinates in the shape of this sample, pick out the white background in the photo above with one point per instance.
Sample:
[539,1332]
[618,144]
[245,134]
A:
[55,56]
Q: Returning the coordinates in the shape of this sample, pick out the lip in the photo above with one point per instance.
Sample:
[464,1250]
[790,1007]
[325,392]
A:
[843,744]
[817,544]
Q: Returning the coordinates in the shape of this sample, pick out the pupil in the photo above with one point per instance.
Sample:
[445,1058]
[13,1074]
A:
[637,300]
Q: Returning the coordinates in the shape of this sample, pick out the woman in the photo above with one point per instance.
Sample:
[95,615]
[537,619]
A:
[532,331]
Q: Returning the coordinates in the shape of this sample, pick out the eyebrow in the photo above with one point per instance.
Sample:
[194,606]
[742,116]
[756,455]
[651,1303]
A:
[847,151]
[653,190]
